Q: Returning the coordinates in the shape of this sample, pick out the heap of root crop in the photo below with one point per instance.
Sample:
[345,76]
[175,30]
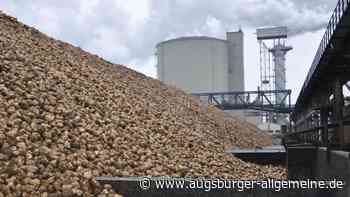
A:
[67,116]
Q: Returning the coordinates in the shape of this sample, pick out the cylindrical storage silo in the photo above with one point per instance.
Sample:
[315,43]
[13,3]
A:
[194,64]
[203,64]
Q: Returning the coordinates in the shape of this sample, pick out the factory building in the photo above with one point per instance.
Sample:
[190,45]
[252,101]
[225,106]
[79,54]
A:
[202,64]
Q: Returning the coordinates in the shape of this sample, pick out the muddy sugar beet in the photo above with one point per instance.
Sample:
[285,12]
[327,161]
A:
[68,116]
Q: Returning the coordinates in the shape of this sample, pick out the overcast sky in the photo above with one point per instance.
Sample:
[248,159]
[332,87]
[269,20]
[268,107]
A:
[126,32]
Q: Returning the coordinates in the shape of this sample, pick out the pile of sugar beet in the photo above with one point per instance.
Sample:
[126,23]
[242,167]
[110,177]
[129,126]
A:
[67,116]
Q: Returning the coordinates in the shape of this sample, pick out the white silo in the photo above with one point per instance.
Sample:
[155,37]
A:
[202,64]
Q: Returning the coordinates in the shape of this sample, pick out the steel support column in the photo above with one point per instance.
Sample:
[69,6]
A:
[338,111]
[324,124]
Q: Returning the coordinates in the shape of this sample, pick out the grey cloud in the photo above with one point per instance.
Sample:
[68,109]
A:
[104,28]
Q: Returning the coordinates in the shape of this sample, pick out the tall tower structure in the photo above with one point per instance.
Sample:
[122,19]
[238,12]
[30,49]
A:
[273,50]
[279,51]
[235,47]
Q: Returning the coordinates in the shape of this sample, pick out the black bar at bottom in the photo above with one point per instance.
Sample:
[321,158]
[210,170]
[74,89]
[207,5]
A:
[146,187]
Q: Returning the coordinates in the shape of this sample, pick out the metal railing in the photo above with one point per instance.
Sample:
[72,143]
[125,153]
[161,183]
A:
[336,17]
[255,100]
[317,136]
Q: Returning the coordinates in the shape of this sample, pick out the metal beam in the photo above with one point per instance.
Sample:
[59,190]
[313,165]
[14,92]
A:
[338,110]
[324,124]
[339,18]
[256,100]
